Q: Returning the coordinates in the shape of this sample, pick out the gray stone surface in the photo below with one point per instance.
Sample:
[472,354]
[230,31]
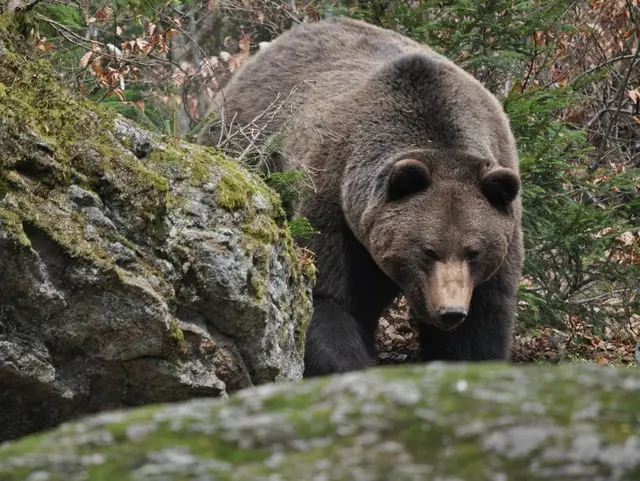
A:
[482,422]
[134,268]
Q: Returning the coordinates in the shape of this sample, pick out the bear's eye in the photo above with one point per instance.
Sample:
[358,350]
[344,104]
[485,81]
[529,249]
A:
[471,255]
[431,255]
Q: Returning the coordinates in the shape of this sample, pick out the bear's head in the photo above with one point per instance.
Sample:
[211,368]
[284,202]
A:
[441,224]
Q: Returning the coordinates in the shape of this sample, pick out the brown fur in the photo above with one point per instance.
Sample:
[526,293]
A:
[416,189]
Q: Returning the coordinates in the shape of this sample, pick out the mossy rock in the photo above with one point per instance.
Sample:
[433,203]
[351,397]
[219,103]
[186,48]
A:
[481,422]
[161,267]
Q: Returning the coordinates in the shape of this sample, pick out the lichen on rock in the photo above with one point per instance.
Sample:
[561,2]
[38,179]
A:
[131,272]
[474,422]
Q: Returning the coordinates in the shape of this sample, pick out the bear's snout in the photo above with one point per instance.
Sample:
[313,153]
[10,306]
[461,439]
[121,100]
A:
[449,289]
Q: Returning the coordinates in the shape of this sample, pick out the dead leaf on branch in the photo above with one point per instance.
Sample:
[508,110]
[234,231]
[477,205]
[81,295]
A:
[86,58]
[141,44]
[170,33]
[245,45]
[104,15]
[42,44]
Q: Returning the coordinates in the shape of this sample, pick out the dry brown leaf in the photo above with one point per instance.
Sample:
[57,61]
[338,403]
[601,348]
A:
[604,232]
[170,33]
[45,47]
[154,41]
[86,58]
[104,15]
[236,61]
[245,45]
[141,43]
[599,180]
[626,238]
[119,94]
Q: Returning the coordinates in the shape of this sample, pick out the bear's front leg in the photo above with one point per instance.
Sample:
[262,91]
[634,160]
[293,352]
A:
[484,336]
[335,342]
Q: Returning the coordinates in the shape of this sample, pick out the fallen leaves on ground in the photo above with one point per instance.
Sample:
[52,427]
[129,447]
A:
[397,337]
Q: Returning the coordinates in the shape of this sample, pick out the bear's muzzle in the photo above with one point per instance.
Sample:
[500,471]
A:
[449,290]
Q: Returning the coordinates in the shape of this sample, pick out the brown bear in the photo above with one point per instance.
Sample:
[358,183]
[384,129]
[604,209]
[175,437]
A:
[415,188]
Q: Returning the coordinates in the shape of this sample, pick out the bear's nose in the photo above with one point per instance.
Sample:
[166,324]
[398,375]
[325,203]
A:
[450,317]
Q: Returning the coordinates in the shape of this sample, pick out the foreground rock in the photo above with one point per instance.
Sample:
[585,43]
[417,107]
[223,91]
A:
[464,423]
[133,268]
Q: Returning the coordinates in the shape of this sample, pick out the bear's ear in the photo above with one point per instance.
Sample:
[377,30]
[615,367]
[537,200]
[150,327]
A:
[500,186]
[408,176]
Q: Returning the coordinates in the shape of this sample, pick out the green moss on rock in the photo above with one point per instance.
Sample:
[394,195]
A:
[13,223]
[33,100]
[260,275]
[177,343]
[149,206]
[233,192]
[72,127]
[467,422]
[189,161]
[300,333]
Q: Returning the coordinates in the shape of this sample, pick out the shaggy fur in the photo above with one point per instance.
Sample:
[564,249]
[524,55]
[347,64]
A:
[416,188]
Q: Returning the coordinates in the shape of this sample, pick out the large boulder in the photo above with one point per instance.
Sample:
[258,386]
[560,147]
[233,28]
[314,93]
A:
[438,422]
[134,268]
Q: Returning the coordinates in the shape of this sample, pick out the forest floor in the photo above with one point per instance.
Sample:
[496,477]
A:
[397,342]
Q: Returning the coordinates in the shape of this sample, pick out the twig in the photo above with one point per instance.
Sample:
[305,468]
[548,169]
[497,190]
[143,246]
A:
[202,53]
[603,64]
[618,98]
[26,8]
